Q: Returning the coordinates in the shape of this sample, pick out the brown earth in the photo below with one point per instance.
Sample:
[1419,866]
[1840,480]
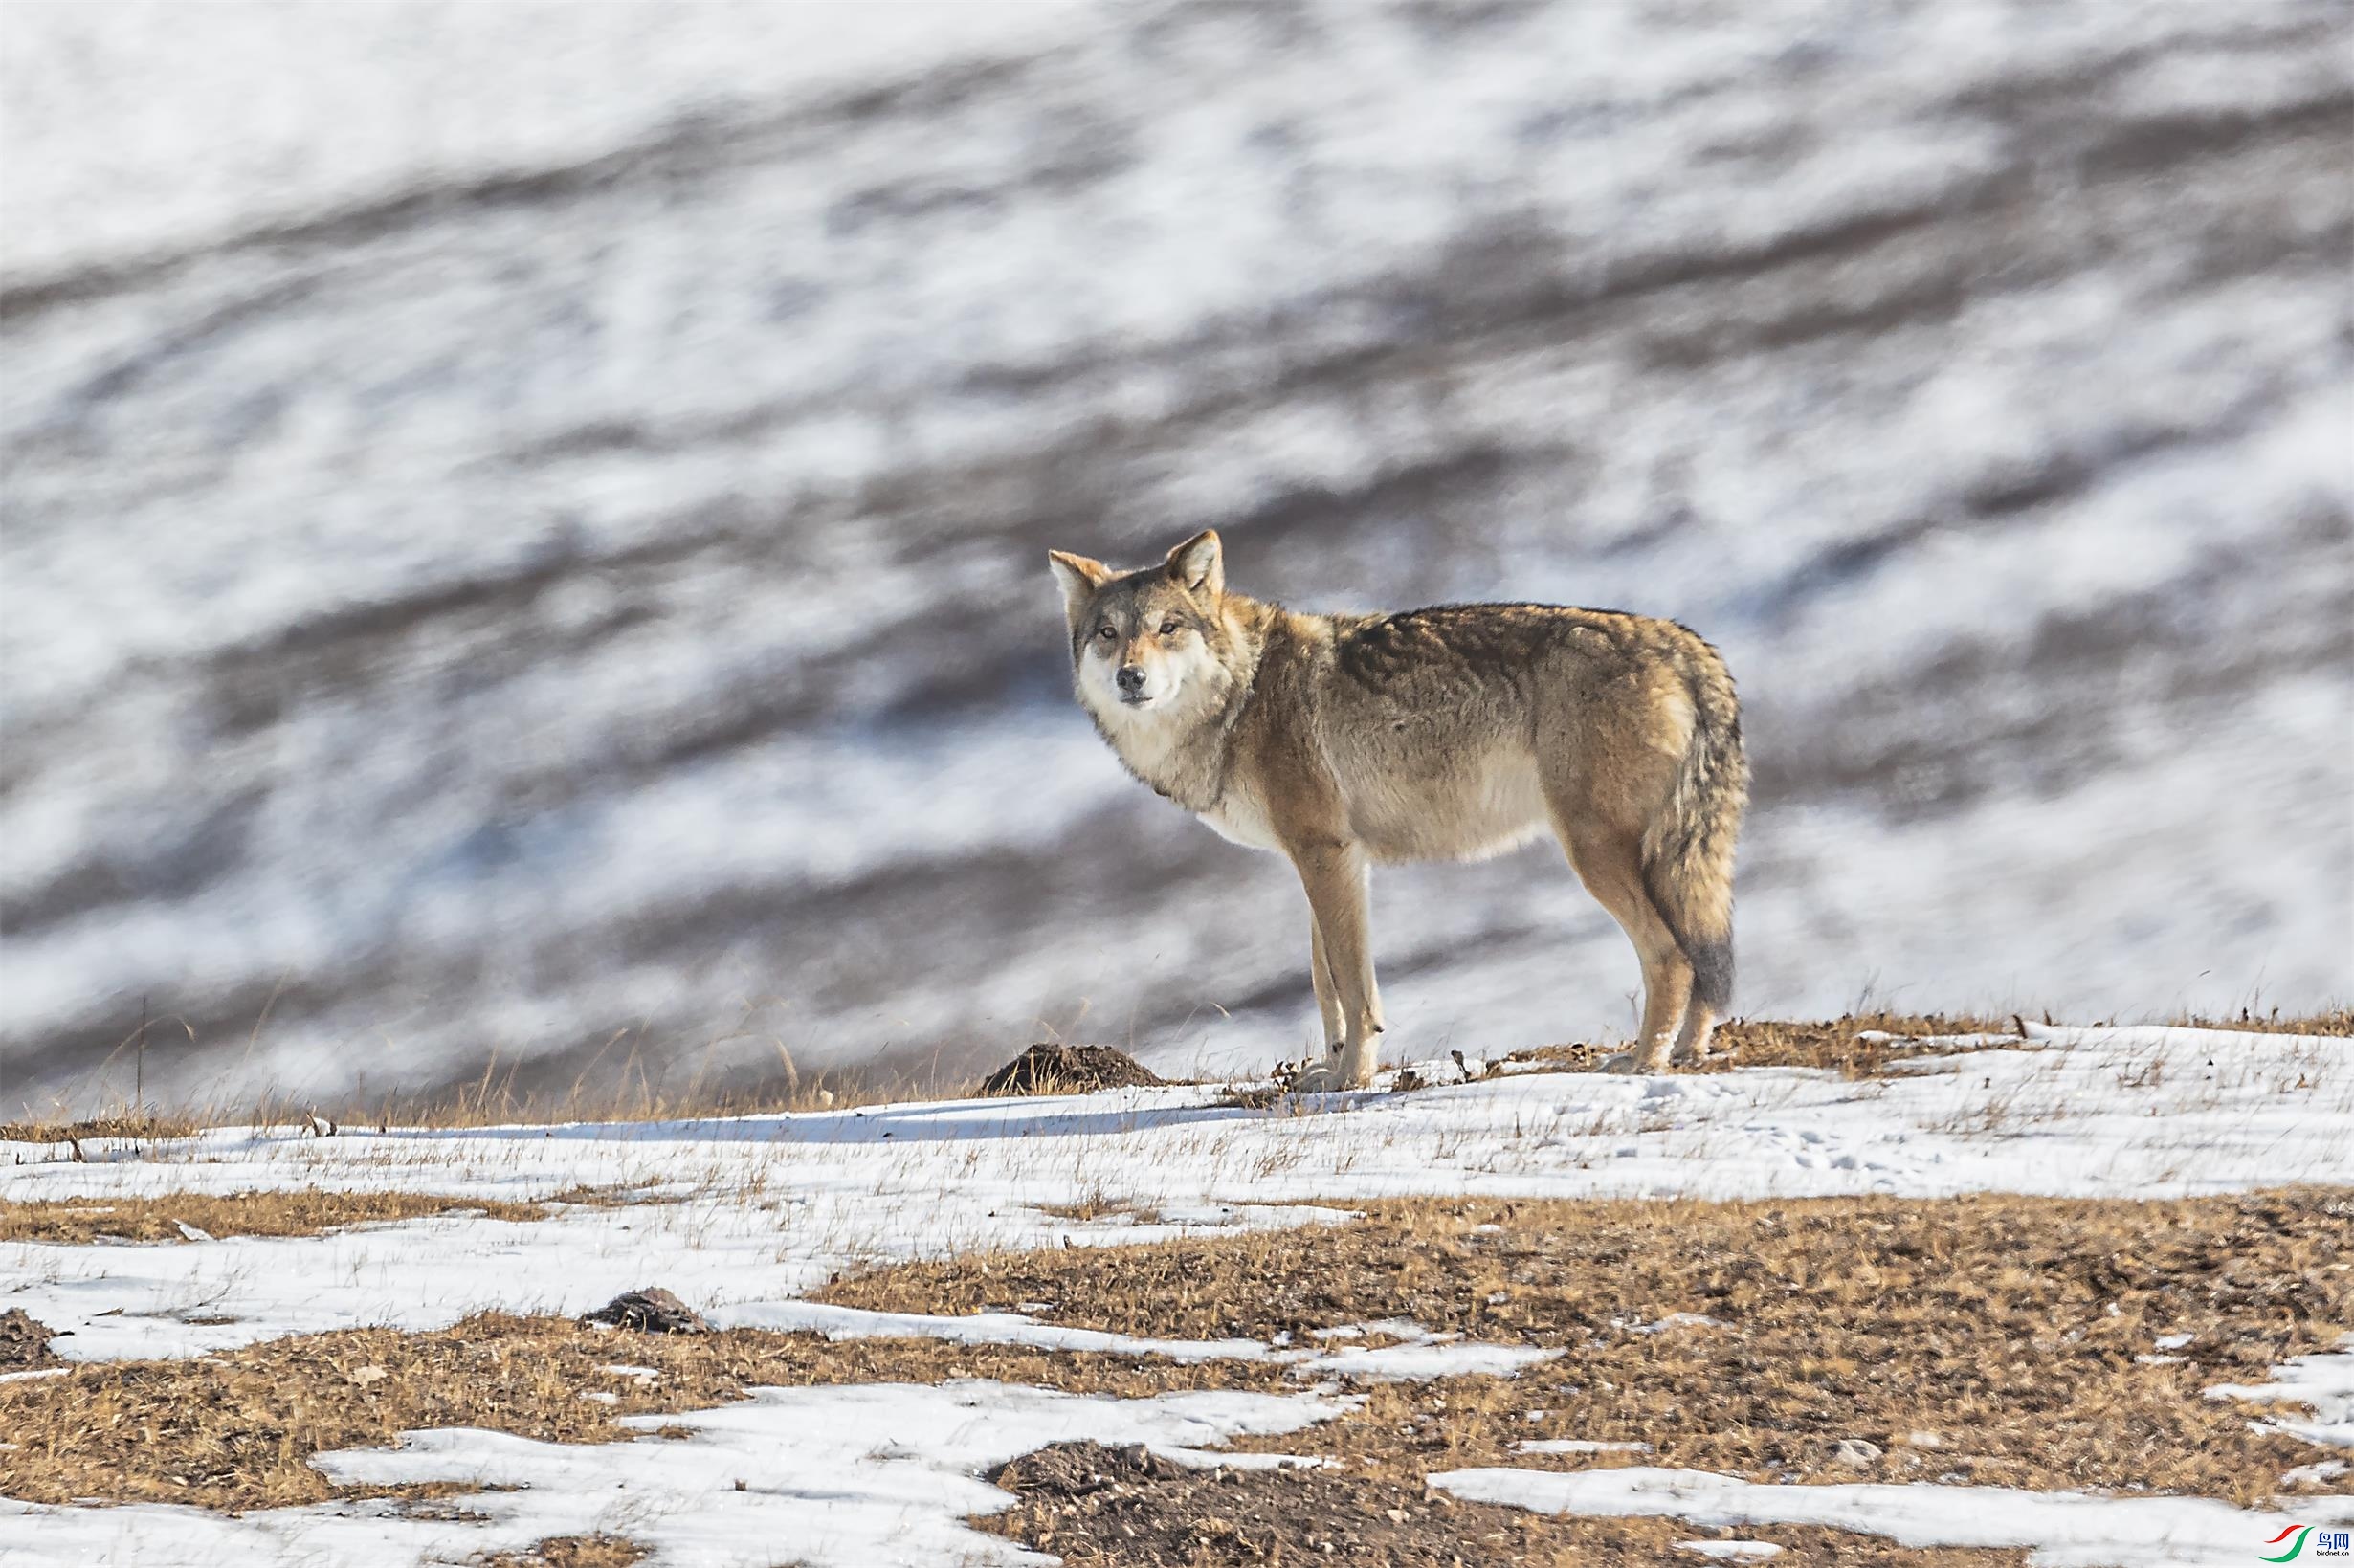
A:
[1090,1504]
[1048,1069]
[24,1343]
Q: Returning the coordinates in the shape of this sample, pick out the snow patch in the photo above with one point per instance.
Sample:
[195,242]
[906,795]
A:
[2066,1529]
[2324,1381]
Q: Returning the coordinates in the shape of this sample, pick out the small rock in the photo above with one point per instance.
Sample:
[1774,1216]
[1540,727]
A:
[1856,1451]
[654,1309]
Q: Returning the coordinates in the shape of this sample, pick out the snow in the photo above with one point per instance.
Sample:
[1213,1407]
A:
[1406,1363]
[2066,1529]
[1732,1550]
[979,1329]
[864,1476]
[494,87]
[2324,1381]
[754,1212]
[1425,1355]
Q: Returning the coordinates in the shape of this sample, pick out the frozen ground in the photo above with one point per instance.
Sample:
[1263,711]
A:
[518,536]
[762,1208]
[748,1213]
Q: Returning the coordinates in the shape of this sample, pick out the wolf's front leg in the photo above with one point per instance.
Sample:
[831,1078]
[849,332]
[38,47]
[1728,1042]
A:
[1335,877]
[1327,995]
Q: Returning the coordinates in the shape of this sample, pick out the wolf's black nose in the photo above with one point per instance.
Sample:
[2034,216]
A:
[1131,678]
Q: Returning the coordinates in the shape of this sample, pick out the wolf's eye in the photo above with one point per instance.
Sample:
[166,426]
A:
[1168,628]
[1106,632]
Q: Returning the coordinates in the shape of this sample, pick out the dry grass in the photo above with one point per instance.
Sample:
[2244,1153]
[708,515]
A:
[495,1101]
[1850,1045]
[1837,1045]
[2007,1326]
[2335,1021]
[141,1125]
[598,1551]
[498,1099]
[1986,1340]
[297,1213]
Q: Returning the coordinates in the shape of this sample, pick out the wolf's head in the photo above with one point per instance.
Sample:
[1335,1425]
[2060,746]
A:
[1152,642]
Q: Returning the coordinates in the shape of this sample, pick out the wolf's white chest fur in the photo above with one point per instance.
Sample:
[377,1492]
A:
[1241,817]
[1163,745]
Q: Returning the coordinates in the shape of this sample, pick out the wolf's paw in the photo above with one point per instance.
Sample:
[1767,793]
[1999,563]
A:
[1686,1057]
[1628,1061]
[1320,1078]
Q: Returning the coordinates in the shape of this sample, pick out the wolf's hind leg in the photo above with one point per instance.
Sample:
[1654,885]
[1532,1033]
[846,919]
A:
[1691,1040]
[1610,866]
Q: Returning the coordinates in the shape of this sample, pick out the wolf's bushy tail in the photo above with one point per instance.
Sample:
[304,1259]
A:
[1688,847]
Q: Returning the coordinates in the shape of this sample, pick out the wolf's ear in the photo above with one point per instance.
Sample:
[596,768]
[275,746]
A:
[1198,565]
[1078,577]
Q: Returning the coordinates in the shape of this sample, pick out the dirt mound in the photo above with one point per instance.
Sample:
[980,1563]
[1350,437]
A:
[1131,1508]
[1068,1069]
[654,1309]
[1076,1469]
[23,1341]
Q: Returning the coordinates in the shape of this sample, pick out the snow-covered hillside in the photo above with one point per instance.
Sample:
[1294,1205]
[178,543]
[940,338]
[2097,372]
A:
[560,555]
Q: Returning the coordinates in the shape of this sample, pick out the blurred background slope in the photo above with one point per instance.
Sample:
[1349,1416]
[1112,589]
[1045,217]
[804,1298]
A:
[523,524]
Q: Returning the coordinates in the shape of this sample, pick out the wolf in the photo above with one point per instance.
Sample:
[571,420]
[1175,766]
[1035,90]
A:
[1452,733]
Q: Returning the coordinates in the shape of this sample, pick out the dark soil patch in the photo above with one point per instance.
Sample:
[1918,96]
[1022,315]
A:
[24,1342]
[1068,1069]
[1093,1504]
[650,1311]
[1076,1469]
